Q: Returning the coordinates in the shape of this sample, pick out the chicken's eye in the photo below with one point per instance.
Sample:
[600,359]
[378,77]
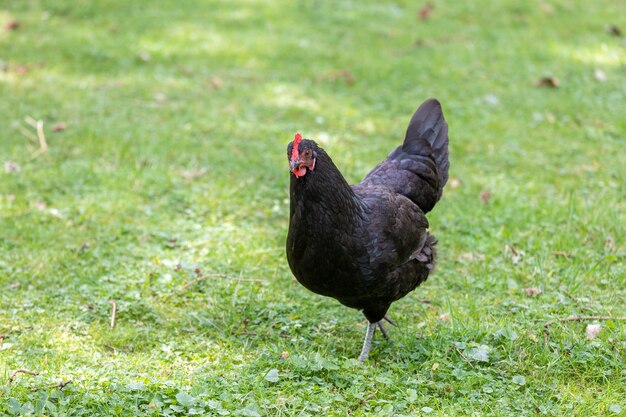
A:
[307,153]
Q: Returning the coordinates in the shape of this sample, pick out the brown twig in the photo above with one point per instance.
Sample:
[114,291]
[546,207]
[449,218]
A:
[464,357]
[547,324]
[1,341]
[62,384]
[455,347]
[570,295]
[239,333]
[115,349]
[202,277]
[21,371]
[58,386]
[225,276]
[244,333]
[113,312]
[619,349]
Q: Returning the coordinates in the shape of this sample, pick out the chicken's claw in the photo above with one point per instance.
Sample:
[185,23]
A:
[388,320]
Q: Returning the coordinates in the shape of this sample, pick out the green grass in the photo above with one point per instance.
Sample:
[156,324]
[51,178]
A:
[173,165]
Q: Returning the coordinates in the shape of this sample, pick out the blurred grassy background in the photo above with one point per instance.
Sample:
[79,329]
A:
[167,124]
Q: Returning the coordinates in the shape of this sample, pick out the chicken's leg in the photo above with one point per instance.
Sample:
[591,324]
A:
[367,343]
[371,328]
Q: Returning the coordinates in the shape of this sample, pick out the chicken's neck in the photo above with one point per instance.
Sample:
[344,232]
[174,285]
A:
[324,195]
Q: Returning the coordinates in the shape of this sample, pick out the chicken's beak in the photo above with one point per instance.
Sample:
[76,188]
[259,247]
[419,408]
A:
[297,168]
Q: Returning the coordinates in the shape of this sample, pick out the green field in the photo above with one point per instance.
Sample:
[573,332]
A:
[164,191]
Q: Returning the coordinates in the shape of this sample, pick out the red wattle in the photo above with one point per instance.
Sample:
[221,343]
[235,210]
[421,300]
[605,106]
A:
[299,172]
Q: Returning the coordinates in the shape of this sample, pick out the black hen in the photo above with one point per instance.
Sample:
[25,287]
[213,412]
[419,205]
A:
[368,245]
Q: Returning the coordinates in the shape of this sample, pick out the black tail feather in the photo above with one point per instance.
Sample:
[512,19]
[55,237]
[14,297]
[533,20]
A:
[418,169]
[428,134]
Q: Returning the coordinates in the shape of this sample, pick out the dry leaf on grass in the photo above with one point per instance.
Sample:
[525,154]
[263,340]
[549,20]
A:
[466,256]
[192,174]
[516,255]
[425,11]
[342,74]
[10,166]
[444,317]
[57,127]
[533,291]
[216,83]
[614,30]
[469,256]
[550,82]
[22,69]
[11,25]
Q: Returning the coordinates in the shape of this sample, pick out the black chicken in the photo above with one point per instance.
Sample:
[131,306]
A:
[368,245]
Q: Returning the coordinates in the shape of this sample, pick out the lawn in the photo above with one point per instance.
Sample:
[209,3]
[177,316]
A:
[163,193]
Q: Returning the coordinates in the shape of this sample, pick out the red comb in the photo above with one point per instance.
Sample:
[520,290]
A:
[295,154]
